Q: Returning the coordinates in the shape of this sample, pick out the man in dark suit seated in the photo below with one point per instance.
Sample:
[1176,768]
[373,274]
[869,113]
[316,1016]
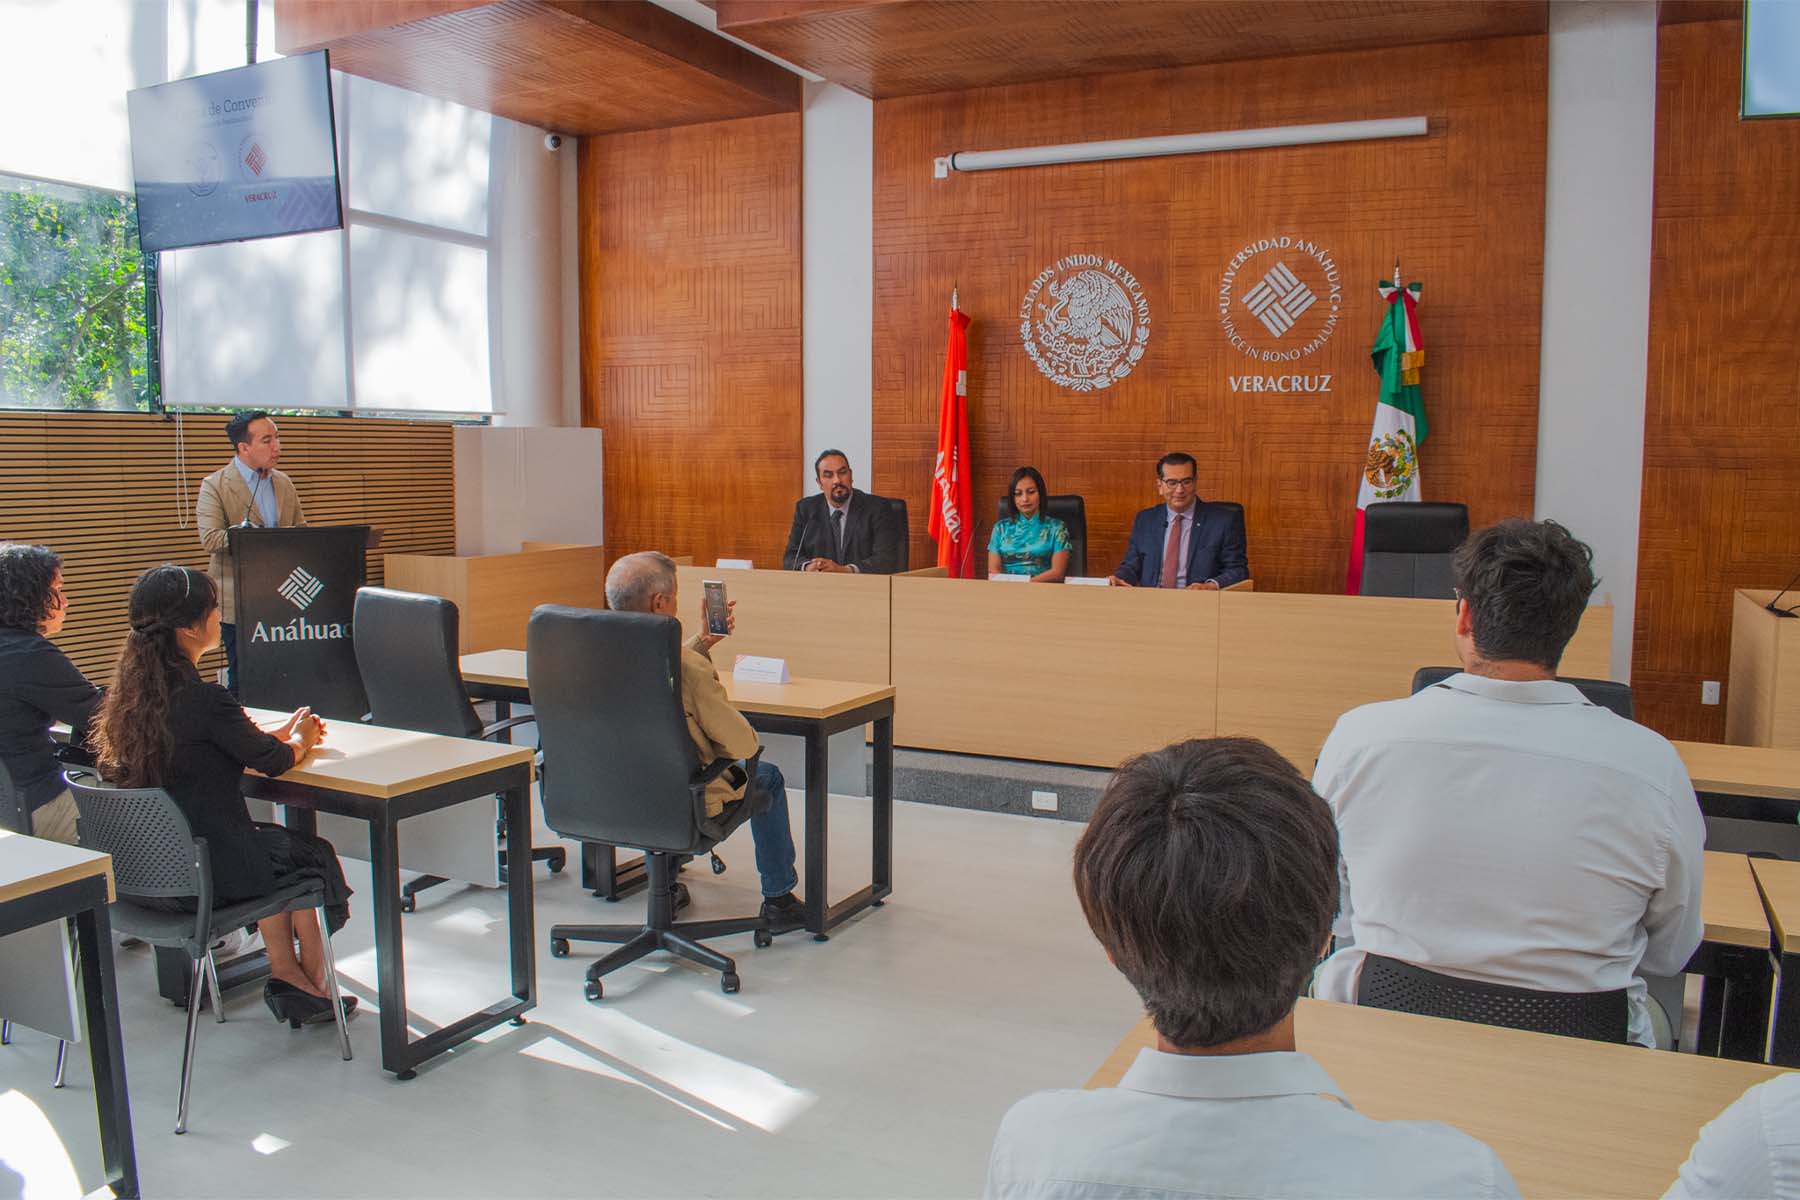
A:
[1184,542]
[842,529]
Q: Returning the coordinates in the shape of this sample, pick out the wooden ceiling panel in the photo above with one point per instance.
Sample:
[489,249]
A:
[885,48]
[575,66]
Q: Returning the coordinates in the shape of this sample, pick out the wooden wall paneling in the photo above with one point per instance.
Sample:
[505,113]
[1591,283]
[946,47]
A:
[690,348]
[1722,410]
[884,48]
[105,491]
[1464,206]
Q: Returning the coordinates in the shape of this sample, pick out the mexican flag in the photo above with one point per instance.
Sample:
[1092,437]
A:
[1391,468]
[952,508]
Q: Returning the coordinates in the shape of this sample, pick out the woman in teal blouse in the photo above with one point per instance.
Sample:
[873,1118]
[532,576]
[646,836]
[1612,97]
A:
[1028,543]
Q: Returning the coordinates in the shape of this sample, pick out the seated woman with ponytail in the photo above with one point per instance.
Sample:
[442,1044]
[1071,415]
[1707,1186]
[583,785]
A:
[162,725]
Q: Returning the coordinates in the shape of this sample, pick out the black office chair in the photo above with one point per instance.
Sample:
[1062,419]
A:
[1407,547]
[407,651]
[607,689]
[898,508]
[1401,987]
[155,855]
[1072,512]
[16,816]
[1604,692]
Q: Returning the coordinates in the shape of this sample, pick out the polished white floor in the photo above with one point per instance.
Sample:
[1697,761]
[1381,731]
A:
[876,1064]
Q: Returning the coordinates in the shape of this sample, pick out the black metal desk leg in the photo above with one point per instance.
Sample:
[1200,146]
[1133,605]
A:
[390,969]
[818,833]
[519,896]
[1745,1025]
[1784,1050]
[502,711]
[106,1050]
[1712,1015]
[883,813]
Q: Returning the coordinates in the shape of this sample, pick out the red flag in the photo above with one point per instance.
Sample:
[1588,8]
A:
[952,506]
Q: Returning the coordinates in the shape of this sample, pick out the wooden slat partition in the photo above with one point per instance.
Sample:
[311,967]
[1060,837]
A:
[107,492]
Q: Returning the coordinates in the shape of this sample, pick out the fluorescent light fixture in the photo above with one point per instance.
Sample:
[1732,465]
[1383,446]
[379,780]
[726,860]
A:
[1182,143]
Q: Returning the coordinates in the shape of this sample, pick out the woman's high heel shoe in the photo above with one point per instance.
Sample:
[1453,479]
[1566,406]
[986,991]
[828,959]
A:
[292,1005]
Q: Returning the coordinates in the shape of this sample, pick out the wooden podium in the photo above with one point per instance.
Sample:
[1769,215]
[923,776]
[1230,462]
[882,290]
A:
[495,594]
[1762,703]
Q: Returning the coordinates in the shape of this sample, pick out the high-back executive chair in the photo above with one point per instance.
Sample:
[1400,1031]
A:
[1402,987]
[1604,692]
[407,651]
[1407,547]
[607,690]
[898,508]
[156,855]
[1071,511]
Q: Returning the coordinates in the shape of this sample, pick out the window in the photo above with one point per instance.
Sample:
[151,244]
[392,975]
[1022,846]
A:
[76,329]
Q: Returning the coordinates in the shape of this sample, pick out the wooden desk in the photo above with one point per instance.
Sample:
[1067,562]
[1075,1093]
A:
[43,881]
[811,709]
[1732,961]
[1750,783]
[827,626]
[1567,1117]
[1780,885]
[383,776]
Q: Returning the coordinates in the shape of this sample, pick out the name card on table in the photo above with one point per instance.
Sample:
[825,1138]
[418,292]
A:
[754,668]
[1004,578]
[1085,580]
[735,564]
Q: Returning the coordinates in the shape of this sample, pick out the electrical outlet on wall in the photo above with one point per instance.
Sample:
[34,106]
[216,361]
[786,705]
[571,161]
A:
[1709,692]
[1043,801]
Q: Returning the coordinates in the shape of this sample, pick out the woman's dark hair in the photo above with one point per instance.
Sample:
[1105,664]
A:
[1526,584]
[27,585]
[1031,473]
[132,738]
[1209,874]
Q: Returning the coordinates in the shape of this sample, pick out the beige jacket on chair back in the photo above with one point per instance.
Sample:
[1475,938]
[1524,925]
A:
[224,501]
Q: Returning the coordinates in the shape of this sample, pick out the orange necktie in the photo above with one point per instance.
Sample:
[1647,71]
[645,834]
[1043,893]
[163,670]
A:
[1172,554]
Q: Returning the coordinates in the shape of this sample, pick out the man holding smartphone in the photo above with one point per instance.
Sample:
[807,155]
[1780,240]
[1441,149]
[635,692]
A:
[646,582]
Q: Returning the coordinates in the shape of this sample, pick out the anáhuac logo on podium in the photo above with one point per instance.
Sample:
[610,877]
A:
[1279,302]
[1085,322]
[299,589]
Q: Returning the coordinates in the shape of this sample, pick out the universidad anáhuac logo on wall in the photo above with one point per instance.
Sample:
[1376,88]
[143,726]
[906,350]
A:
[1085,322]
[300,589]
[1279,302]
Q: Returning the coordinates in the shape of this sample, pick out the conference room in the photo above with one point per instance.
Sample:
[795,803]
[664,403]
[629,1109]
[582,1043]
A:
[513,673]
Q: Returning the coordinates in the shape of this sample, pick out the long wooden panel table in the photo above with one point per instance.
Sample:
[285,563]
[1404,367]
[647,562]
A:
[1750,783]
[1780,884]
[827,625]
[812,709]
[1567,1117]
[383,776]
[43,881]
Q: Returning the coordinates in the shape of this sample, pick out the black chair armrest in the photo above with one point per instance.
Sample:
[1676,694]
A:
[714,769]
[498,727]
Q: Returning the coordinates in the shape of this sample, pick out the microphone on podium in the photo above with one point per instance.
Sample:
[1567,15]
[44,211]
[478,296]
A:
[1784,612]
[800,546]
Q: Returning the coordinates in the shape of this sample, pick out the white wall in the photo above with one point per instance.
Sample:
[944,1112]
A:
[525,283]
[837,276]
[1600,171]
[517,484]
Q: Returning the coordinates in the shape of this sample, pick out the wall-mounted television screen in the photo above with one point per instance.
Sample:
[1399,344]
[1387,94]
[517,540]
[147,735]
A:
[1771,59]
[235,155]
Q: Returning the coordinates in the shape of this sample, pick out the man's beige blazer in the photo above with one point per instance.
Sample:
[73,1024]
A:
[224,502]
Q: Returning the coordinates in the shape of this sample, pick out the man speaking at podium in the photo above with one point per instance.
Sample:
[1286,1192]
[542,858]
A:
[247,491]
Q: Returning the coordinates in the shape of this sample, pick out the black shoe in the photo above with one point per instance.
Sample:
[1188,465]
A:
[323,1016]
[292,1005]
[784,913]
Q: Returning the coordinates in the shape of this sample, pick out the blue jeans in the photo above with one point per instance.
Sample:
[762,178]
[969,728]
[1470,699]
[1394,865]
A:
[769,829]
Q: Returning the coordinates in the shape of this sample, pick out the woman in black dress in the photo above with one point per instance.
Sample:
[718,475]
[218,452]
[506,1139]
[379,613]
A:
[162,725]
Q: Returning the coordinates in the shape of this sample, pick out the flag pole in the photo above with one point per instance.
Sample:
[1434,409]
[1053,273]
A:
[953,293]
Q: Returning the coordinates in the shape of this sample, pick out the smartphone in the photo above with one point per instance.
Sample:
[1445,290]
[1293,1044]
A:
[717,611]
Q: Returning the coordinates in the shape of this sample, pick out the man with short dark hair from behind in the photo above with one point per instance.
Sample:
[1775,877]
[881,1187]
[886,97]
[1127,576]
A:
[248,490]
[1209,876]
[1499,827]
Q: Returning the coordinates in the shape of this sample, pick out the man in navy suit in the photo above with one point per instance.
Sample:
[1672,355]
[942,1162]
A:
[1206,540]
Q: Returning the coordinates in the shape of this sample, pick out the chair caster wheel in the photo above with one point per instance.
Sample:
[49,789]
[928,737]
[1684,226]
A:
[728,983]
[556,866]
[763,939]
[407,1076]
[408,904]
[559,948]
[594,991]
[718,865]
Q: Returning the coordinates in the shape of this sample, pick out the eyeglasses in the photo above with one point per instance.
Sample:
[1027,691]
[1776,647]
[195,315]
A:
[1178,485]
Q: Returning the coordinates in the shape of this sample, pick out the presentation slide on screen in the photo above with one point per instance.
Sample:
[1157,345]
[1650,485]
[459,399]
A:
[234,155]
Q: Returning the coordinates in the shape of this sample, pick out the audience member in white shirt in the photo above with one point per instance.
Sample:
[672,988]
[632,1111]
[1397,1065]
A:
[1752,1149]
[1498,827]
[1209,875]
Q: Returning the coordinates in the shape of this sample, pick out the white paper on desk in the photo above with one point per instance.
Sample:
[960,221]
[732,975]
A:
[1004,578]
[37,980]
[1085,580]
[754,668]
[735,564]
